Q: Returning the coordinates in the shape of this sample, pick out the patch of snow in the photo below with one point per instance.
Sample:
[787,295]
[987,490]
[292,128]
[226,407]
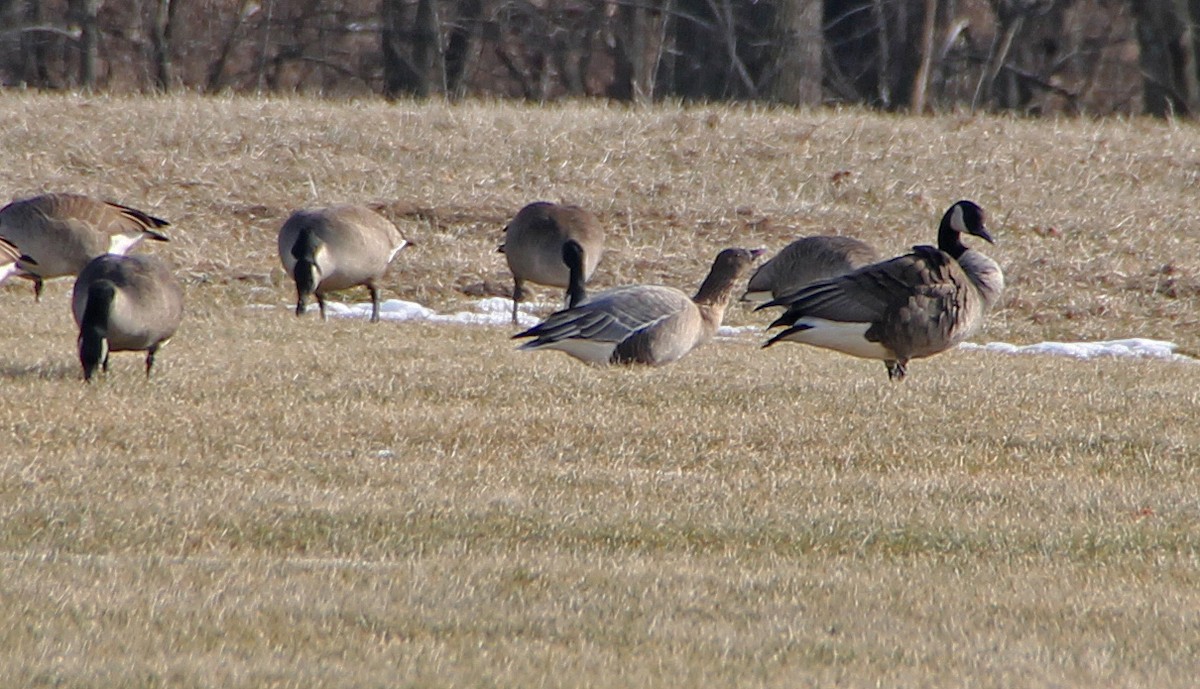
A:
[1135,347]
[491,311]
[739,330]
[389,310]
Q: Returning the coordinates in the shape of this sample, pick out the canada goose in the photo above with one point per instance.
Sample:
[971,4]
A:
[644,324]
[909,307]
[553,245]
[12,262]
[807,260]
[328,249]
[122,304]
[62,232]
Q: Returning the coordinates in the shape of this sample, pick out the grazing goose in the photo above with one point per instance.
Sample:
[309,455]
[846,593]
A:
[12,262]
[553,245]
[909,307]
[124,304]
[328,249]
[644,324]
[807,260]
[62,232]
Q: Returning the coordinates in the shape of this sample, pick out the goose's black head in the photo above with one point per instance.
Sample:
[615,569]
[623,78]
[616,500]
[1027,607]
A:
[967,217]
[964,217]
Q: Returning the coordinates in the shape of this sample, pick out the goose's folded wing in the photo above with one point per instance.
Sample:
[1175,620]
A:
[866,294]
[610,316]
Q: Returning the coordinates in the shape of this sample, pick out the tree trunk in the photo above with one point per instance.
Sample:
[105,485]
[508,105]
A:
[399,75]
[462,37]
[799,44]
[1008,24]
[264,46]
[884,42]
[665,59]
[84,13]
[160,39]
[693,77]
[629,70]
[215,79]
[921,82]
[1167,56]
[426,47]
[34,70]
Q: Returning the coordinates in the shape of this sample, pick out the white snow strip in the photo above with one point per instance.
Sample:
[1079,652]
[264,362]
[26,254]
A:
[739,330]
[1135,347]
[497,311]
[491,311]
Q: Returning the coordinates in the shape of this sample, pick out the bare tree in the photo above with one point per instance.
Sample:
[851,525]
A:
[692,77]
[160,41]
[409,72]
[426,46]
[884,52]
[1010,16]
[215,79]
[463,34]
[629,53]
[921,81]
[34,70]
[1168,55]
[799,44]
[399,74]
[84,13]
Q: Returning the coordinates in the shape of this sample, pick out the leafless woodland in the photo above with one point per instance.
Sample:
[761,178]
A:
[1027,56]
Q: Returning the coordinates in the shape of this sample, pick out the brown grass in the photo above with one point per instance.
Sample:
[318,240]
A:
[290,503]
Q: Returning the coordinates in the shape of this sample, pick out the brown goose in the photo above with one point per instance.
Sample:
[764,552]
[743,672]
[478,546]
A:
[328,249]
[124,303]
[554,245]
[807,260]
[909,307]
[643,324]
[62,232]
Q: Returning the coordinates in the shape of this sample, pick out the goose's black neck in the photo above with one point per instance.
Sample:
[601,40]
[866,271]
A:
[949,238]
[303,273]
[304,250]
[93,327]
[573,256]
[305,246]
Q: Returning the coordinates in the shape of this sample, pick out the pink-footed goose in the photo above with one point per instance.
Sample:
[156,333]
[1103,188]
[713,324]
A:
[644,324]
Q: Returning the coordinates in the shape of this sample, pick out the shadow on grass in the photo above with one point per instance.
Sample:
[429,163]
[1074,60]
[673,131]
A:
[42,370]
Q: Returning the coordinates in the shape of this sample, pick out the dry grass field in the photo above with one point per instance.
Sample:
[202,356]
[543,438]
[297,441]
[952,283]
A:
[291,503]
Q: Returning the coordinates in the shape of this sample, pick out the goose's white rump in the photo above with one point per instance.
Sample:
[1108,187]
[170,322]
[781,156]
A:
[848,338]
